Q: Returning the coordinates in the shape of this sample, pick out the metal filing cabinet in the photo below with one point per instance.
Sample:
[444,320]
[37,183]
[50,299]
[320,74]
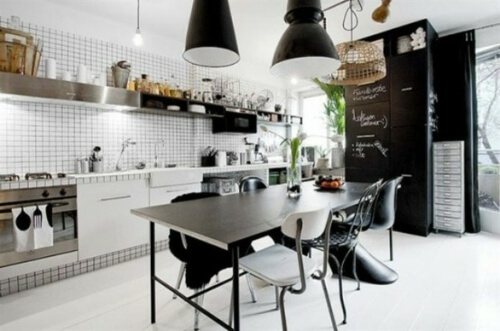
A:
[449,186]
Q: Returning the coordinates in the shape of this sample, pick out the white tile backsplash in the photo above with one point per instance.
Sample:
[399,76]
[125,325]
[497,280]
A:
[47,137]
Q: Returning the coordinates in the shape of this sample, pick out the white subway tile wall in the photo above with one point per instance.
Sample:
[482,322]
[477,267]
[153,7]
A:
[38,136]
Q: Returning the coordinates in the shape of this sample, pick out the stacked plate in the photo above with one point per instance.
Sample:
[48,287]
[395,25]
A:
[197,109]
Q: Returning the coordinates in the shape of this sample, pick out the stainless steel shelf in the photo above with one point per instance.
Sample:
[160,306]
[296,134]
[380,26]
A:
[36,89]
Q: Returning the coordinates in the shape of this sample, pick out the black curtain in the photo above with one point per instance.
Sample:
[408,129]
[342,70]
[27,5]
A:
[456,109]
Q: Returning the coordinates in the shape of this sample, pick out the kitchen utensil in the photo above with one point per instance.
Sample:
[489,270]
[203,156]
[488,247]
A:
[48,213]
[120,76]
[23,220]
[37,218]
[123,64]
[96,153]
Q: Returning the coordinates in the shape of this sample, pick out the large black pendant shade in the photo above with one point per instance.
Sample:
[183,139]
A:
[305,50]
[210,40]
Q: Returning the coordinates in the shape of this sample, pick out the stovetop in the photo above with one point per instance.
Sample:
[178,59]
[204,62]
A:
[29,176]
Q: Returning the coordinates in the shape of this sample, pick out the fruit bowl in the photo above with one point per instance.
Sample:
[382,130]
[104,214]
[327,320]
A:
[329,183]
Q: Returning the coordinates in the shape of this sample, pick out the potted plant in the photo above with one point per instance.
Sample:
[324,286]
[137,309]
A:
[335,119]
[323,160]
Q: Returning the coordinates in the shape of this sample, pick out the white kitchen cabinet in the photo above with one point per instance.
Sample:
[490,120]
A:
[167,185]
[105,223]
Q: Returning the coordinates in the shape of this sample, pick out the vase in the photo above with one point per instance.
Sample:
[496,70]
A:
[294,178]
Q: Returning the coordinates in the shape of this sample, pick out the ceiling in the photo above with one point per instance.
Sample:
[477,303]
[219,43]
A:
[259,23]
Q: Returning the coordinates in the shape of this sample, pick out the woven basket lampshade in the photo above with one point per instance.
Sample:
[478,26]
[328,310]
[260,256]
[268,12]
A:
[361,63]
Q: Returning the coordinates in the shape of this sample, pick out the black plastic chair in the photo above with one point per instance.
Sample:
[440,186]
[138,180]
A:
[344,236]
[385,208]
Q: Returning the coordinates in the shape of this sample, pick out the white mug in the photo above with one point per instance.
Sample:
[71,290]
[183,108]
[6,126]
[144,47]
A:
[81,76]
[50,68]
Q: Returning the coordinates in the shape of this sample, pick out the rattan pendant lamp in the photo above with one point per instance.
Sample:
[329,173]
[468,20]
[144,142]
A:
[362,62]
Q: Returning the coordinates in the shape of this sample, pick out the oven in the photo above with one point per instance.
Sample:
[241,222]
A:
[61,212]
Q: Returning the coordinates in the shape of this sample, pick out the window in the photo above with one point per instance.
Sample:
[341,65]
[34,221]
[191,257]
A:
[314,124]
[488,100]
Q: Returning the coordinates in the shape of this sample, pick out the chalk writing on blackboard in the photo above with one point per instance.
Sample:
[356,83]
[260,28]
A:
[358,150]
[383,150]
[365,120]
[368,93]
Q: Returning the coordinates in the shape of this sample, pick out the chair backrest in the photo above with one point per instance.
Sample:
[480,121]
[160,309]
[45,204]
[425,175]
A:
[177,242]
[251,183]
[363,217]
[384,212]
[313,223]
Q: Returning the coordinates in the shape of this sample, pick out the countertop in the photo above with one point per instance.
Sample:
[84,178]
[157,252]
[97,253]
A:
[133,174]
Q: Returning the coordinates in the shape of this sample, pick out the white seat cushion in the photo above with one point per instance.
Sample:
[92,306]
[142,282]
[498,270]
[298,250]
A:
[277,265]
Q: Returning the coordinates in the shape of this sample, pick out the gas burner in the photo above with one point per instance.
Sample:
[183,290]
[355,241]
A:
[37,175]
[9,178]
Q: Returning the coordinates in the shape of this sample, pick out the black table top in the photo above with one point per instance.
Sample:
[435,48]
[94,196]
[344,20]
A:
[227,220]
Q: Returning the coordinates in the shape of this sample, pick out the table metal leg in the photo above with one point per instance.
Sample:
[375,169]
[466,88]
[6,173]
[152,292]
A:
[152,271]
[236,287]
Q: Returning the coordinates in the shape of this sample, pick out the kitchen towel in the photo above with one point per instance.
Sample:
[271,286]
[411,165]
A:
[44,234]
[23,229]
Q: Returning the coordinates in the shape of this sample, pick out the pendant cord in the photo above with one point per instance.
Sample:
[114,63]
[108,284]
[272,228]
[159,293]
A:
[138,7]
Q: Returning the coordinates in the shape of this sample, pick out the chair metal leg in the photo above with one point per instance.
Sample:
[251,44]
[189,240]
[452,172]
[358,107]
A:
[355,273]
[276,294]
[182,270]
[251,288]
[282,308]
[390,243]
[199,301]
[329,304]
[341,292]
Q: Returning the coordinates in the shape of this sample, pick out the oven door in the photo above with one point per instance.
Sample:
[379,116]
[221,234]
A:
[64,224]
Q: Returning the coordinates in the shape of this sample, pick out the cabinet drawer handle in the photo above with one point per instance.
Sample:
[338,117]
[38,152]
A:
[117,198]
[406,89]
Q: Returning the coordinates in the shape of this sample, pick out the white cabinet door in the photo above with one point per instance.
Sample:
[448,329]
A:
[165,194]
[105,223]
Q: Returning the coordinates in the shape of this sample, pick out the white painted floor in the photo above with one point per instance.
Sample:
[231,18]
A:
[445,283]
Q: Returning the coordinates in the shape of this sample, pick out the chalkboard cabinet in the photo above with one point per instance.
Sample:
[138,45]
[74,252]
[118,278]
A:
[387,125]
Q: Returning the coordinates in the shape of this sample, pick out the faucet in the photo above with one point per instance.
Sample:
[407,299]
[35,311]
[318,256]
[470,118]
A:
[125,144]
[157,143]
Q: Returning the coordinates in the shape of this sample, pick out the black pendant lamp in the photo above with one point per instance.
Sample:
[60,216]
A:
[210,40]
[305,50]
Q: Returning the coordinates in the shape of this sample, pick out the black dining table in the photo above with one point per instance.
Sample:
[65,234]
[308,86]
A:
[231,220]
